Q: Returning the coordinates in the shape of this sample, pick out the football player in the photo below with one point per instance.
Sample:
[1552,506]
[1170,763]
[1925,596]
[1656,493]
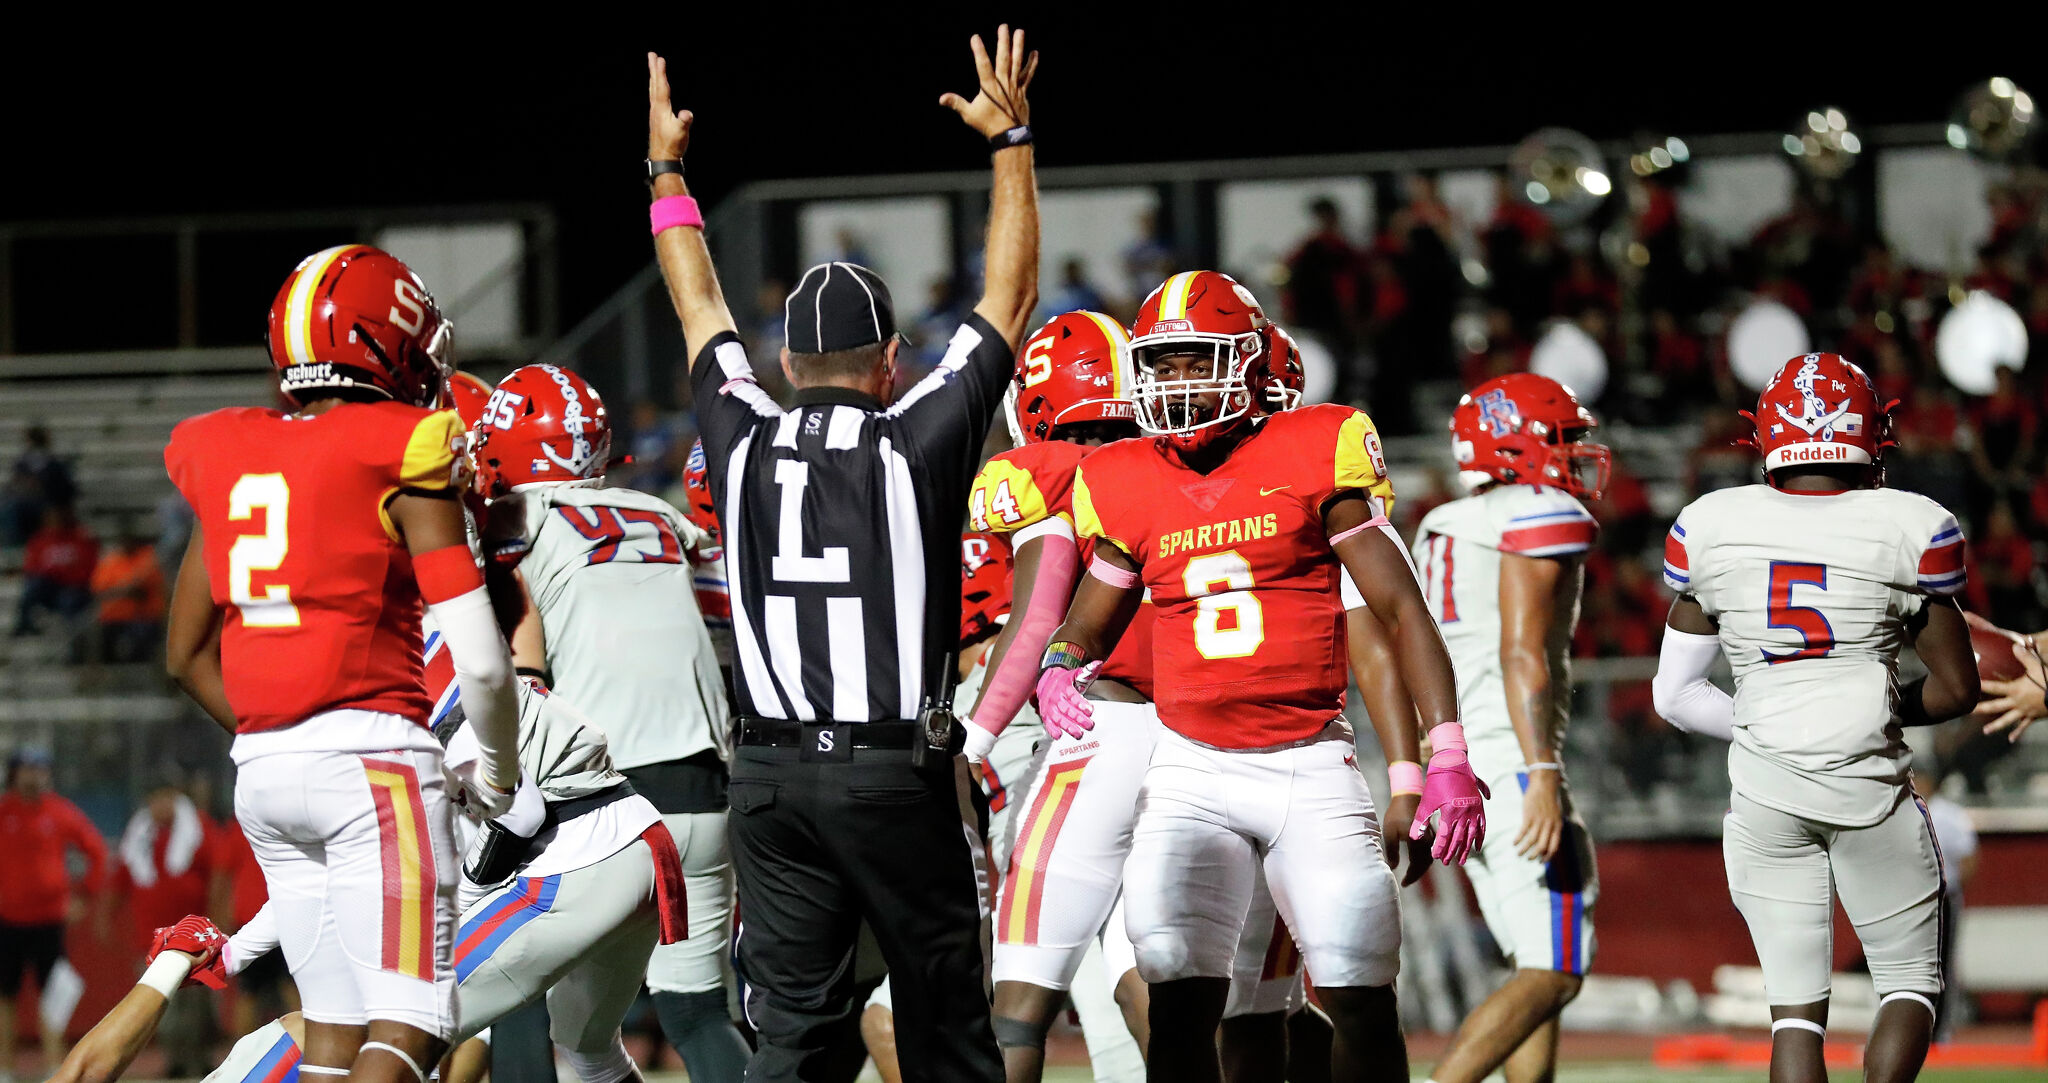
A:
[1237,528]
[1064,856]
[1809,585]
[612,617]
[295,623]
[569,910]
[1503,569]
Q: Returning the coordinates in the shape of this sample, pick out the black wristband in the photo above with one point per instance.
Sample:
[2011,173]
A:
[1014,137]
[1912,707]
[657,168]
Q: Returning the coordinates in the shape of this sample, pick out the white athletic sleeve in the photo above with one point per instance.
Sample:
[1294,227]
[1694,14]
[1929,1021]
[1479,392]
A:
[1681,692]
[483,671]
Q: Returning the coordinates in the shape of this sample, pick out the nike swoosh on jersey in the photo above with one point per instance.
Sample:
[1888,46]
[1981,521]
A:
[1269,492]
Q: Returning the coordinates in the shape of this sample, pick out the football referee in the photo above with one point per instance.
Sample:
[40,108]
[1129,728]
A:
[841,519]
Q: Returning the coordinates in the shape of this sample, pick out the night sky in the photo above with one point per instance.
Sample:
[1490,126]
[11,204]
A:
[365,112]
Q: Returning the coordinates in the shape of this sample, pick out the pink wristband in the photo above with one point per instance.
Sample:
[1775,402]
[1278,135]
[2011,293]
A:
[1447,737]
[668,212]
[1404,777]
[1370,524]
[1113,575]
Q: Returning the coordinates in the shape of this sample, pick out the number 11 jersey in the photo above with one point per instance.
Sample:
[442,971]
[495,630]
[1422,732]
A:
[321,609]
[1813,593]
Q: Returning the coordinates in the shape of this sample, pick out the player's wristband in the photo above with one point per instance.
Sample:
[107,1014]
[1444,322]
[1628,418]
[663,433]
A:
[668,212]
[1062,655]
[167,972]
[1404,777]
[1532,768]
[1447,737]
[1014,137]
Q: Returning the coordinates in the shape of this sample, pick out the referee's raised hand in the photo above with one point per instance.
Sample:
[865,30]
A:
[1000,105]
[668,131]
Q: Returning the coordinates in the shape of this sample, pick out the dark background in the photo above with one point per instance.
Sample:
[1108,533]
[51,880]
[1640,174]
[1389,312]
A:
[375,106]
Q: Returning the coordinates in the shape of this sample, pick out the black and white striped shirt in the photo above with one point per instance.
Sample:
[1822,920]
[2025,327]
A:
[841,521]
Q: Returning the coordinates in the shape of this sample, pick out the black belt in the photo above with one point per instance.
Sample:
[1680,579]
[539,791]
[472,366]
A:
[566,809]
[775,733]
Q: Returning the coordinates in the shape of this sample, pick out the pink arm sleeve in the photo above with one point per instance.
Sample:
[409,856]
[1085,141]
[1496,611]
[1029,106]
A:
[1010,684]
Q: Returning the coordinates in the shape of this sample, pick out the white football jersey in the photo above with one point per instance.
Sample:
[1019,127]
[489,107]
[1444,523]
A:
[618,605]
[1458,551]
[1812,594]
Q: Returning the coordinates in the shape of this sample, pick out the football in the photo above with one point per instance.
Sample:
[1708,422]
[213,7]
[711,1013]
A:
[1993,648]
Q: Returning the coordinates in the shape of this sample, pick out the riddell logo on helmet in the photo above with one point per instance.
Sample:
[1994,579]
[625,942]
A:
[1172,325]
[1815,453]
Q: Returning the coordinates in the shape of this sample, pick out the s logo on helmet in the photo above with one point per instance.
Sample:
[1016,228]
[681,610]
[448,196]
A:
[1498,415]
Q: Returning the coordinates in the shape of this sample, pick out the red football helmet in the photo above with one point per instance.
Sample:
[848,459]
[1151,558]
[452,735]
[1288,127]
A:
[355,318]
[1200,312]
[466,393]
[1289,383]
[542,426]
[985,569]
[1075,369]
[1524,429]
[697,483]
[1821,409]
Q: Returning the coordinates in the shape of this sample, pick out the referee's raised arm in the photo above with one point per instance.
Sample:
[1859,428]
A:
[1001,113]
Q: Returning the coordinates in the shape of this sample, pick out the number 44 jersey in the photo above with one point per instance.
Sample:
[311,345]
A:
[322,612]
[609,572]
[1248,647]
[1813,594]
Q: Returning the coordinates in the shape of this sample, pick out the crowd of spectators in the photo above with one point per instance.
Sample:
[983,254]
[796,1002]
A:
[67,578]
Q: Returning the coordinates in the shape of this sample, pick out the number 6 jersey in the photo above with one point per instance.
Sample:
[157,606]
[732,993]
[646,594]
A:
[321,609]
[1813,593]
[1248,646]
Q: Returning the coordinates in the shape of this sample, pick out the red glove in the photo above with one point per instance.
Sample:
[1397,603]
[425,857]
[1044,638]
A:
[198,937]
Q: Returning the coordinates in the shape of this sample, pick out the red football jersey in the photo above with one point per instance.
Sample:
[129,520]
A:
[1249,640]
[322,612]
[1026,485]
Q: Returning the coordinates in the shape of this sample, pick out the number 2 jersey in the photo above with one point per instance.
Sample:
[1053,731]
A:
[1023,487]
[316,587]
[1249,646]
[618,606]
[1458,552]
[1813,594]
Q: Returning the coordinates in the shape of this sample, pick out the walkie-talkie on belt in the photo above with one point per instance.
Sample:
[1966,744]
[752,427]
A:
[940,738]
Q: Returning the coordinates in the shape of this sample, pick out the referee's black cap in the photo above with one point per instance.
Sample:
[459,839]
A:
[838,306]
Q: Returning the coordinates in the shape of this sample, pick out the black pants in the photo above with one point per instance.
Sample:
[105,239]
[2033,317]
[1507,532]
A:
[818,847]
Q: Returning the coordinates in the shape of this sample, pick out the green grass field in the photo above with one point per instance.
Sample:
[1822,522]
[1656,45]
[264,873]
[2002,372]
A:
[1617,1073]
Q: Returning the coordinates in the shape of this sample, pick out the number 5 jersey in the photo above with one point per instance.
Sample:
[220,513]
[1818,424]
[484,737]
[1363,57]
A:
[321,609]
[1813,594]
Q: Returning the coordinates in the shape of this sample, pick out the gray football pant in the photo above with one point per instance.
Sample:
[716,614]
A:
[702,963]
[585,948]
[1786,871]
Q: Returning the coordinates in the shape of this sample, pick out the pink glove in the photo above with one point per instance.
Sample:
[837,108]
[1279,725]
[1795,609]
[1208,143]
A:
[198,937]
[1450,788]
[1062,707]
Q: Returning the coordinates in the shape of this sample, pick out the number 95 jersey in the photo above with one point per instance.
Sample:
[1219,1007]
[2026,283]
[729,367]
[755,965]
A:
[1813,594]
[1249,645]
[322,612]
[618,609]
